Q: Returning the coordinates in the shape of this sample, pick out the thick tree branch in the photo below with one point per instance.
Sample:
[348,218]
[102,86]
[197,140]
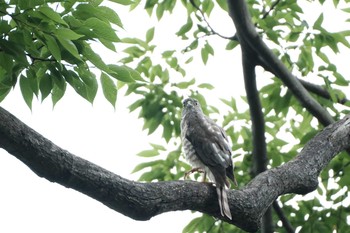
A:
[256,115]
[258,129]
[142,201]
[247,33]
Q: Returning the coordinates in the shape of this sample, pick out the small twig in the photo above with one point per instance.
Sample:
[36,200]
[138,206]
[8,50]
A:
[271,8]
[286,224]
[39,58]
[212,31]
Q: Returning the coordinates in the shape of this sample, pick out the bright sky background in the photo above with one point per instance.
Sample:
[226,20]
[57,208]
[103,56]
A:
[110,138]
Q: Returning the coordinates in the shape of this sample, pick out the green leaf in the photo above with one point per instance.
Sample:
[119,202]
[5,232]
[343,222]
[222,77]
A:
[168,53]
[340,80]
[7,63]
[109,89]
[107,44]
[192,226]
[206,85]
[69,46]
[341,37]
[4,92]
[78,85]
[57,93]
[231,45]
[53,47]
[123,2]
[158,147]
[94,58]
[45,86]
[91,85]
[145,165]
[50,13]
[15,50]
[293,36]
[136,105]
[26,90]
[184,85]
[110,15]
[167,130]
[150,35]
[185,28]
[222,4]
[347,10]
[153,123]
[205,55]
[148,153]
[323,56]
[204,223]
[209,48]
[121,73]
[67,34]
[160,11]
[102,29]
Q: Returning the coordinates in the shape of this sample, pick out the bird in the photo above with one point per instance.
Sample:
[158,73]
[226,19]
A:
[207,149]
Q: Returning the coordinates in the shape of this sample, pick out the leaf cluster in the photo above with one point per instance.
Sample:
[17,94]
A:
[49,45]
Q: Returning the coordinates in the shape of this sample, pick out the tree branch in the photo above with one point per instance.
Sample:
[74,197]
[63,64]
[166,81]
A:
[141,201]
[246,32]
[271,9]
[286,224]
[311,87]
[213,32]
[256,115]
[258,128]
[320,91]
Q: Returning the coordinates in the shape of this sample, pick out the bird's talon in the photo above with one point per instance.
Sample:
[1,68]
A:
[193,170]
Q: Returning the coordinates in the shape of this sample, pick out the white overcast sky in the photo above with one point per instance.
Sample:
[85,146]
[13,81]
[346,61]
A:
[110,138]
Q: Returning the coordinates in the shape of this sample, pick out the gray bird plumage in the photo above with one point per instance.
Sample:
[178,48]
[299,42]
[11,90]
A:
[207,148]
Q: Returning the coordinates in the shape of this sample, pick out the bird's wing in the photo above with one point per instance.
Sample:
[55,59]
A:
[210,142]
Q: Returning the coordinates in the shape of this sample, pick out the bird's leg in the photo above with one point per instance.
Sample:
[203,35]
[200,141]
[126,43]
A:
[196,169]
[204,176]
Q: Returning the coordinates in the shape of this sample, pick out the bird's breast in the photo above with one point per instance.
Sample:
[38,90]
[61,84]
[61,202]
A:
[191,155]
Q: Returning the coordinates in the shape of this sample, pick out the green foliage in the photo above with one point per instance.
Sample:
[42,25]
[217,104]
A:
[49,45]
[46,46]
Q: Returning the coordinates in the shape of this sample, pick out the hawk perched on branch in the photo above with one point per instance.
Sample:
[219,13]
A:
[207,149]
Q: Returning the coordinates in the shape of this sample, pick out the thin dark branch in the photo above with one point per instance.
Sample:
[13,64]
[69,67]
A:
[246,31]
[286,224]
[39,58]
[212,31]
[311,87]
[271,9]
[320,91]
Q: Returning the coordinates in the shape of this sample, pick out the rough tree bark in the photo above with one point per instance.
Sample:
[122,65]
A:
[141,201]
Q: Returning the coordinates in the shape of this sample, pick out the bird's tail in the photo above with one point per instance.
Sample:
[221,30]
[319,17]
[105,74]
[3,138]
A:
[223,201]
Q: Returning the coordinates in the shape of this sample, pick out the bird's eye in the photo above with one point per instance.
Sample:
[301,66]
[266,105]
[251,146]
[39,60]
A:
[195,103]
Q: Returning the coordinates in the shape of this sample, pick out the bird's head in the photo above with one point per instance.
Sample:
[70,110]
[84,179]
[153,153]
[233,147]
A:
[191,105]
